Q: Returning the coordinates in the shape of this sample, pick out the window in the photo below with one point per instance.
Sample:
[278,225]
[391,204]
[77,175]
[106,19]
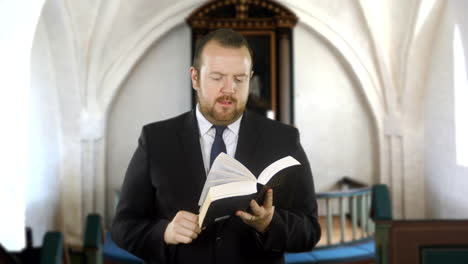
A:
[460,99]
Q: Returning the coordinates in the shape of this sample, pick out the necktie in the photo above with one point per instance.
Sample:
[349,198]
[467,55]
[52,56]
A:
[218,144]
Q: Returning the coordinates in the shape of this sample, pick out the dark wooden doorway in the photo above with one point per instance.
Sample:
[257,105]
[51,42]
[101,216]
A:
[267,26]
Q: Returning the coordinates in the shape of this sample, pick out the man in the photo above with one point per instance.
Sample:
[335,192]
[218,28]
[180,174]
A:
[157,215]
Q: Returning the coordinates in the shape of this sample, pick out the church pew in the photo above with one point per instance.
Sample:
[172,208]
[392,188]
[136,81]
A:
[416,241]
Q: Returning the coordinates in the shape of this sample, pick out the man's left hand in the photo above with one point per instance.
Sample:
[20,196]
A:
[261,216]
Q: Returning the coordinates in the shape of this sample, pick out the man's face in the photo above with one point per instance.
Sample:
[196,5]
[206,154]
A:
[222,82]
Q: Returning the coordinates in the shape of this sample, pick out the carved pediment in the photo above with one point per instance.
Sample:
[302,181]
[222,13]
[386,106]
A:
[242,15]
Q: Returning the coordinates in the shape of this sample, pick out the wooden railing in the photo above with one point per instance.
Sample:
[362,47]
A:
[351,205]
[348,206]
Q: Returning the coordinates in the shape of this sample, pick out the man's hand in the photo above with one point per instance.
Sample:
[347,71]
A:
[182,229]
[262,215]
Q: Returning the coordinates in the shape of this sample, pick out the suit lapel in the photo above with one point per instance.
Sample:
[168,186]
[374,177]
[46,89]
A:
[192,151]
[249,135]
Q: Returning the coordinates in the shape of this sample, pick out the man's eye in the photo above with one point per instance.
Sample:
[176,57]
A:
[215,78]
[239,80]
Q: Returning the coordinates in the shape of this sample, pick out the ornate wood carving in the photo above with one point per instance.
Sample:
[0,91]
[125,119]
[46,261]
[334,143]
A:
[242,15]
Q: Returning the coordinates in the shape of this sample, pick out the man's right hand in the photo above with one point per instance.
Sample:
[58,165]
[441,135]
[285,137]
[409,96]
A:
[182,229]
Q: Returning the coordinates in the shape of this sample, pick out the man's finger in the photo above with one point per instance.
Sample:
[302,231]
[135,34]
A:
[256,209]
[189,216]
[190,226]
[183,239]
[244,216]
[186,232]
[268,199]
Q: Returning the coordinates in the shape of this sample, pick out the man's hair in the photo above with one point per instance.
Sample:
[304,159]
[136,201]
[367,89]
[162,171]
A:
[226,37]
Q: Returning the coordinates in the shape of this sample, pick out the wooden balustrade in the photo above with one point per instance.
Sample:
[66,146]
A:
[347,206]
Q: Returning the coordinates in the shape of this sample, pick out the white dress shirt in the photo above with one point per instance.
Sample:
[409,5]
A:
[207,135]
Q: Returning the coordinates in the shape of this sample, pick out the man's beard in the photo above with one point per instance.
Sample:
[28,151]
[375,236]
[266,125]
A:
[221,117]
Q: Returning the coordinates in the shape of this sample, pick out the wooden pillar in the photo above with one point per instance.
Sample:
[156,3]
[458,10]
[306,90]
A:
[284,79]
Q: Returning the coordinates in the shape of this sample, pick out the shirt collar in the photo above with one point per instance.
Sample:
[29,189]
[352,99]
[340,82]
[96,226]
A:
[204,125]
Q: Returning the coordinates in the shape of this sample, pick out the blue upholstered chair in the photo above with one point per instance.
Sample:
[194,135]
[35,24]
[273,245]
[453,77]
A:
[360,252]
[114,254]
[357,250]
[52,251]
[93,239]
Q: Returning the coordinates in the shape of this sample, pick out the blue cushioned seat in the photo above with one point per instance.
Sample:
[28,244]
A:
[344,253]
[112,252]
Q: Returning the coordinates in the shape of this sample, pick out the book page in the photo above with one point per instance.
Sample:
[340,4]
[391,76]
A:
[225,162]
[218,177]
[275,167]
[225,169]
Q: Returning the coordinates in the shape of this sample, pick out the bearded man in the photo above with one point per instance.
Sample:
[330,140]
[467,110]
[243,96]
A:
[157,214]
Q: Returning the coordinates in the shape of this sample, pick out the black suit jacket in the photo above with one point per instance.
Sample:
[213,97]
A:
[166,175]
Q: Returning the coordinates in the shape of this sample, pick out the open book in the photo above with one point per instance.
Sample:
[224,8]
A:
[230,186]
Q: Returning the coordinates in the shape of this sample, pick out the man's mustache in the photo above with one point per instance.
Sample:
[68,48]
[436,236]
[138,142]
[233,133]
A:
[226,98]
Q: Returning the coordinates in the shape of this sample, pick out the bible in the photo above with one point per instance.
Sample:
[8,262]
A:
[230,186]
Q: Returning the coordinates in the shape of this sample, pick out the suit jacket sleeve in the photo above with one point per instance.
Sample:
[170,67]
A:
[136,227]
[296,229]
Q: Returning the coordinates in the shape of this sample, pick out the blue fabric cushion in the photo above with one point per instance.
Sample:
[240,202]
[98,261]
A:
[112,252]
[381,203]
[303,257]
[351,252]
[369,246]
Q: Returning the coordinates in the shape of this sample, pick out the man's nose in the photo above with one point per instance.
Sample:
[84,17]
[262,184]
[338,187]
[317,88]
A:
[229,86]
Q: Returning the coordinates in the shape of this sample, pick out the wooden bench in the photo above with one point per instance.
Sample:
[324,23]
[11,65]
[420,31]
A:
[416,241]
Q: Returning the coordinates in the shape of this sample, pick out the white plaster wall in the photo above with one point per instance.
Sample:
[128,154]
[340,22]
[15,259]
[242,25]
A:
[128,17]
[352,93]
[332,117]
[446,182]
[345,18]
[43,167]
[16,39]
[158,88]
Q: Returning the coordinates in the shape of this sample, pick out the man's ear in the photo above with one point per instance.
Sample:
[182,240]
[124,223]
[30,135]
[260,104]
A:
[195,78]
